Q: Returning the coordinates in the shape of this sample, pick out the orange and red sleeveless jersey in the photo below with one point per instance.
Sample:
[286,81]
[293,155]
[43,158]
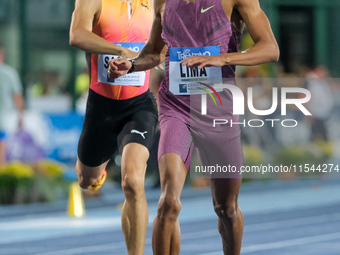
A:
[120,23]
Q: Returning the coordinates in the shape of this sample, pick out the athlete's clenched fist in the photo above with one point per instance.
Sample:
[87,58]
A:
[119,67]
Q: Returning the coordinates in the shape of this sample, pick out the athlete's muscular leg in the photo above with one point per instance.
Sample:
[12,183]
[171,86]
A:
[230,217]
[135,210]
[166,235]
[88,175]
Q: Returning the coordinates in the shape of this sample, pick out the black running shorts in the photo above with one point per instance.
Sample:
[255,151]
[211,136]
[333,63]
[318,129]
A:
[110,124]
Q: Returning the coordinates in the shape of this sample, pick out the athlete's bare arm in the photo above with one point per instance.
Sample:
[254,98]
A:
[85,14]
[265,48]
[153,52]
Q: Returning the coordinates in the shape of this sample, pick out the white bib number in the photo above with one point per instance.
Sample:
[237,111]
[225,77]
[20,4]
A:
[133,79]
[189,81]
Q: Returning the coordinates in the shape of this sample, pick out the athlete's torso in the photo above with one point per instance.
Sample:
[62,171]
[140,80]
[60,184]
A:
[115,25]
[197,24]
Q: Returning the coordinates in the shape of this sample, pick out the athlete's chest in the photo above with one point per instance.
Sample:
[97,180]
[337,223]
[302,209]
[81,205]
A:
[196,12]
[202,17]
[124,20]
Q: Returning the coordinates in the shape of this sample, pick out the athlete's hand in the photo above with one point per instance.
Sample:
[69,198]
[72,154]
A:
[118,67]
[203,61]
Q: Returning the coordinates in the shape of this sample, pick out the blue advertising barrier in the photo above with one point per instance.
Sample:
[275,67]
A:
[64,133]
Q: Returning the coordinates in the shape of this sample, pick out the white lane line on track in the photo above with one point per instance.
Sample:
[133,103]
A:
[293,222]
[60,223]
[87,249]
[286,243]
[247,249]
[213,232]
[49,228]
[270,225]
[92,223]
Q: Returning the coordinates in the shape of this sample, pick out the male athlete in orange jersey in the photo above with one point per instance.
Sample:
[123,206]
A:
[120,113]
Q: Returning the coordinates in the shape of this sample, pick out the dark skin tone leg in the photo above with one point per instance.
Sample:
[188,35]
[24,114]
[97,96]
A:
[230,217]
[166,234]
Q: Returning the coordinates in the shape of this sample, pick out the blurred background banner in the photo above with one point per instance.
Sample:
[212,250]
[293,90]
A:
[64,133]
[54,136]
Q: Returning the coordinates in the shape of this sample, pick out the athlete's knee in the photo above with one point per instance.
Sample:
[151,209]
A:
[84,183]
[86,175]
[227,211]
[132,182]
[169,207]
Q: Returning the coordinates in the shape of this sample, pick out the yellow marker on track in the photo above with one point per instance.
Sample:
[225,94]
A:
[75,206]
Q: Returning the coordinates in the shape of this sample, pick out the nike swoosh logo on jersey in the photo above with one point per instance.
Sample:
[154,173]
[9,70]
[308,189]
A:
[204,10]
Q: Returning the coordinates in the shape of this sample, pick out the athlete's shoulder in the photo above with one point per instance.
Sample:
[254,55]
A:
[245,3]
[90,6]
[158,6]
